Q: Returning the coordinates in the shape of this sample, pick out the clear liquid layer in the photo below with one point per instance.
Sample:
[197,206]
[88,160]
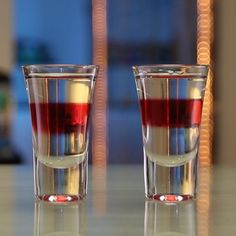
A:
[61,161]
[171,146]
[60,151]
[171,160]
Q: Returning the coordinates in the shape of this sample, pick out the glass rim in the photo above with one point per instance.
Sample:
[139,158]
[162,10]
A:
[57,70]
[38,66]
[179,70]
[171,65]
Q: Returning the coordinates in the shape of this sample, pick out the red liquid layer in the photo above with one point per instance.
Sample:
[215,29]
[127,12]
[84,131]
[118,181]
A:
[59,118]
[175,113]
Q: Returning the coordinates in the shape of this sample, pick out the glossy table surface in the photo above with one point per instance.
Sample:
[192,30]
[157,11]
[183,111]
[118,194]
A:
[116,206]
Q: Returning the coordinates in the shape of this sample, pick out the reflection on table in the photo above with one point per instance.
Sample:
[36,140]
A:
[170,219]
[116,206]
[59,219]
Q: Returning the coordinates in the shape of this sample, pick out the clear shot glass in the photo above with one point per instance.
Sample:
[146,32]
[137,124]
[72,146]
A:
[171,101]
[60,99]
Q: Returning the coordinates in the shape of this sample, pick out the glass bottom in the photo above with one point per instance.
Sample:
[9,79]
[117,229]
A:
[60,198]
[169,197]
[60,184]
[170,184]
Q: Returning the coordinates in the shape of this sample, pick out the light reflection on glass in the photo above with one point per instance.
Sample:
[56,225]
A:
[59,219]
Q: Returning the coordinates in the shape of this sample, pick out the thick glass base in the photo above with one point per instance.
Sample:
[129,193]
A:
[170,197]
[59,198]
[60,184]
[170,184]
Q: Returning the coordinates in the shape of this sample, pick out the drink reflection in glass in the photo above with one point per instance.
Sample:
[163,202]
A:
[177,219]
[59,219]
[60,99]
[171,101]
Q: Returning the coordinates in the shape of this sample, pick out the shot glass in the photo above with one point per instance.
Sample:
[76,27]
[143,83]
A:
[171,101]
[60,99]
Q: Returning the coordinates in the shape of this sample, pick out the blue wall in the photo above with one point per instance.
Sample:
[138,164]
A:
[63,25]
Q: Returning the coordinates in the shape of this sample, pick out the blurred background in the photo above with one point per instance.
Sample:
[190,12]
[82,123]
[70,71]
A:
[117,35]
